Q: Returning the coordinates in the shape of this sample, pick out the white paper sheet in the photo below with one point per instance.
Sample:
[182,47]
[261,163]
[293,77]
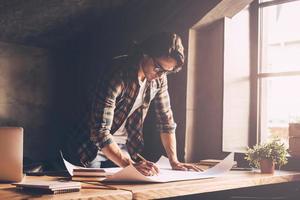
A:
[166,174]
[70,167]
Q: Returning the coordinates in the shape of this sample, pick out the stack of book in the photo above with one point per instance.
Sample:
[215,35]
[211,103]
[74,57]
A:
[208,163]
[49,187]
[89,174]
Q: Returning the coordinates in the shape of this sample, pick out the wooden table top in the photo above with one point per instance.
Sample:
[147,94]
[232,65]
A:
[231,180]
[8,191]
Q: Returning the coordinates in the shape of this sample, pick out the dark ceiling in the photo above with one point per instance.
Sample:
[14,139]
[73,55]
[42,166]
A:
[49,23]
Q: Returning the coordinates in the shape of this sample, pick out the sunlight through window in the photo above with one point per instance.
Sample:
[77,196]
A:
[279,72]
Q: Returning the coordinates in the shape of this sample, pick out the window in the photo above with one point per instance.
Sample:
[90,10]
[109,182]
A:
[257,53]
[271,80]
[278,75]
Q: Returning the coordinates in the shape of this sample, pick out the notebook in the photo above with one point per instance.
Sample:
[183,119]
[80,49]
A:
[11,154]
[51,187]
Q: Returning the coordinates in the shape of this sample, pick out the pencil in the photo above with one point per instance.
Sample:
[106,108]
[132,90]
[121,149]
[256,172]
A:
[97,185]
[143,159]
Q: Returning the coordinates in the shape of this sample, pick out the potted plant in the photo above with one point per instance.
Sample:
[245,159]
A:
[265,156]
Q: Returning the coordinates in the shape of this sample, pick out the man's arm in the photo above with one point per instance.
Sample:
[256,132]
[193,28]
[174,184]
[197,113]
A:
[103,111]
[167,126]
[113,152]
[102,118]
[169,143]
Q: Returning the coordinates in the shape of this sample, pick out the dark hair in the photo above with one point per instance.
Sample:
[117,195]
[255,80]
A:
[164,44]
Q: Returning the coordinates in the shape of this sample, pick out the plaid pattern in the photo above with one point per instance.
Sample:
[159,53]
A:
[113,101]
[134,126]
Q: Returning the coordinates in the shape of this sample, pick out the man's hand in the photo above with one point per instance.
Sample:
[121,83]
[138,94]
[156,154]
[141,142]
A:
[169,143]
[147,168]
[185,166]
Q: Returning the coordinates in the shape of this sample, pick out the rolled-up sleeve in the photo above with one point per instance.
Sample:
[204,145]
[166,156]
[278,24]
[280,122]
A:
[164,114]
[103,112]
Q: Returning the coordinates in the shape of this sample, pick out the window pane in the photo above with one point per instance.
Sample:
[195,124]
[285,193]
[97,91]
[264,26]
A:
[280,47]
[280,104]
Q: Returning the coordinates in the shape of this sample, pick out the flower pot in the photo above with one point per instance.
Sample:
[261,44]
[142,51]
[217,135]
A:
[267,166]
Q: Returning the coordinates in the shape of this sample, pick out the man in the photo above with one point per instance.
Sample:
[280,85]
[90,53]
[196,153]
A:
[114,131]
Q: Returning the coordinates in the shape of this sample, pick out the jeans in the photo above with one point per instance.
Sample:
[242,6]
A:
[102,162]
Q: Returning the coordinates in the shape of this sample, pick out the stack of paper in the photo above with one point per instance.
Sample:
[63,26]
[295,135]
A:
[51,187]
[211,162]
[89,174]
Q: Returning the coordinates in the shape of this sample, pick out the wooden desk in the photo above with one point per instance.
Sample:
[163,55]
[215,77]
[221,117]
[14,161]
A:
[231,180]
[8,191]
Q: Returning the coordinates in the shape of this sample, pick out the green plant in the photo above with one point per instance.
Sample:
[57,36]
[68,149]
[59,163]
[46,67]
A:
[274,150]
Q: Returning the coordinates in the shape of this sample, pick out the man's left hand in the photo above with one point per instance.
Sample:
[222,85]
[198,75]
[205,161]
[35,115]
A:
[185,166]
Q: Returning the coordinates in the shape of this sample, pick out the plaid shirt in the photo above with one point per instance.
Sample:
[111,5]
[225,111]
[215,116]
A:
[113,101]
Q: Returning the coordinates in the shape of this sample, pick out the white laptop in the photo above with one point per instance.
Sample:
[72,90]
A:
[11,154]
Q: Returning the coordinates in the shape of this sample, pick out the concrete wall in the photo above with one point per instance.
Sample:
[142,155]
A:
[28,97]
[55,83]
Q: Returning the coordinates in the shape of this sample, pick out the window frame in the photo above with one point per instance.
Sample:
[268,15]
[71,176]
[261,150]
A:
[257,75]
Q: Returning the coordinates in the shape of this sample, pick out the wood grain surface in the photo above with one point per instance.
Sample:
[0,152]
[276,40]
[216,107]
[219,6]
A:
[231,180]
[8,191]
